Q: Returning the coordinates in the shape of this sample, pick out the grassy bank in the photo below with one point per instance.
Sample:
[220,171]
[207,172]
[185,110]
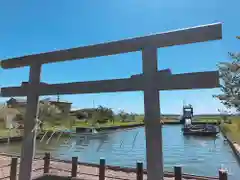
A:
[72,123]
[206,119]
[232,130]
[69,123]
[5,132]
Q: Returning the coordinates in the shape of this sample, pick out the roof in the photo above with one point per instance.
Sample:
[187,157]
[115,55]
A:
[55,100]
[66,102]
[87,110]
[19,100]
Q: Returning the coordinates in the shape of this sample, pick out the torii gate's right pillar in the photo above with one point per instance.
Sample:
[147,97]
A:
[153,127]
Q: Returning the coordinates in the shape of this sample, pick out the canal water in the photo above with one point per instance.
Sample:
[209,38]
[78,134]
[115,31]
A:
[197,155]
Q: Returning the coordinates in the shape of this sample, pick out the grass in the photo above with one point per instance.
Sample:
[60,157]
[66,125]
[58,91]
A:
[117,122]
[66,123]
[233,130]
[108,124]
[202,119]
[206,119]
[5,132]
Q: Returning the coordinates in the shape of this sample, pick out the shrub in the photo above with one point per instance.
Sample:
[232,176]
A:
[102,121]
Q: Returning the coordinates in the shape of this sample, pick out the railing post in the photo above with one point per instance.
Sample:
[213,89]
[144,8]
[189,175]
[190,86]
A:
[13,170]
[178,172]
[102,169]
[222,174]
[139,171]
[46,163]
[74,166]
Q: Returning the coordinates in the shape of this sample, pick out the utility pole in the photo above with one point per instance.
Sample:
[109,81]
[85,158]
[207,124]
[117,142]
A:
[58,97]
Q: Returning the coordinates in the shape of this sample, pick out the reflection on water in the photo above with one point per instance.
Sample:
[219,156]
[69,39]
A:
[197,155]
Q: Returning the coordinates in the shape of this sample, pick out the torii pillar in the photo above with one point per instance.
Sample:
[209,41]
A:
[153,129]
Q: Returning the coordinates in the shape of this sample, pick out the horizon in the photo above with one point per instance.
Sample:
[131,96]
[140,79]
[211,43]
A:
[84,24]
[141,114]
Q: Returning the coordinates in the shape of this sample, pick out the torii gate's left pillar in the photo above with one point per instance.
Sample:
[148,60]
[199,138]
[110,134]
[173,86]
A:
[29,137]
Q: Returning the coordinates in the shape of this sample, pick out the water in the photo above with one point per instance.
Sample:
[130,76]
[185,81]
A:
[197,155]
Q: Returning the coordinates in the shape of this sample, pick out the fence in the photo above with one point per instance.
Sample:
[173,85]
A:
[49,170]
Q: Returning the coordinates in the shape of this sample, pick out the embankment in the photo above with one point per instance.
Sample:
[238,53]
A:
[235,147]
[13,139]
[82,129]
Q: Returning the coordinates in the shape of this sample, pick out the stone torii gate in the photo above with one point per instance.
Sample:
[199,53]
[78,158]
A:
[150,82]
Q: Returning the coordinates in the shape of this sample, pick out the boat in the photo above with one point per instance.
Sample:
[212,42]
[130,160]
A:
[201,130]
[196,130]
[89,132]
[187,113]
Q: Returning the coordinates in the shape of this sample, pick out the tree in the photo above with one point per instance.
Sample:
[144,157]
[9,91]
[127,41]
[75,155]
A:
[102,115]
[110,115]
[81,114]
[133,116]
[229,73]
[46,110]
[123,115]
[94,119]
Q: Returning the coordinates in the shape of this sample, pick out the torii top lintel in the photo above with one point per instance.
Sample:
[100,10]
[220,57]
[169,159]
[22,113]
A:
[177,37]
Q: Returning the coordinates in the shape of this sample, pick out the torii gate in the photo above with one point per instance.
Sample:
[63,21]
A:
[150,82]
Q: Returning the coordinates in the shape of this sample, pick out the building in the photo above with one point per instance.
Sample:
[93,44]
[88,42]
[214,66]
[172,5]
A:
[63,106]
[20,105]
[10,116]
[16,103]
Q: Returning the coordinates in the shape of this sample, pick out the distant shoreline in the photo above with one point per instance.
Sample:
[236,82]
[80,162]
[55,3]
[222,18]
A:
[83,129]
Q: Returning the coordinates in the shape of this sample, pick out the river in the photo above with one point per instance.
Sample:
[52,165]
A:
[197,155]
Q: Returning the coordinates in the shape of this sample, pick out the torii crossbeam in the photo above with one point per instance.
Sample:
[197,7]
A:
[150,82]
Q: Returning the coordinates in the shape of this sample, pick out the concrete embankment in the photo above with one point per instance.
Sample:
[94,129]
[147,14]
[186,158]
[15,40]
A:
[194,123]
[235,147]
[13,139]
[83,129]
[67,133]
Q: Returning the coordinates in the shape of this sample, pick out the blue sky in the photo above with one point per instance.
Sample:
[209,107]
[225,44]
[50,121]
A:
[29,27]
